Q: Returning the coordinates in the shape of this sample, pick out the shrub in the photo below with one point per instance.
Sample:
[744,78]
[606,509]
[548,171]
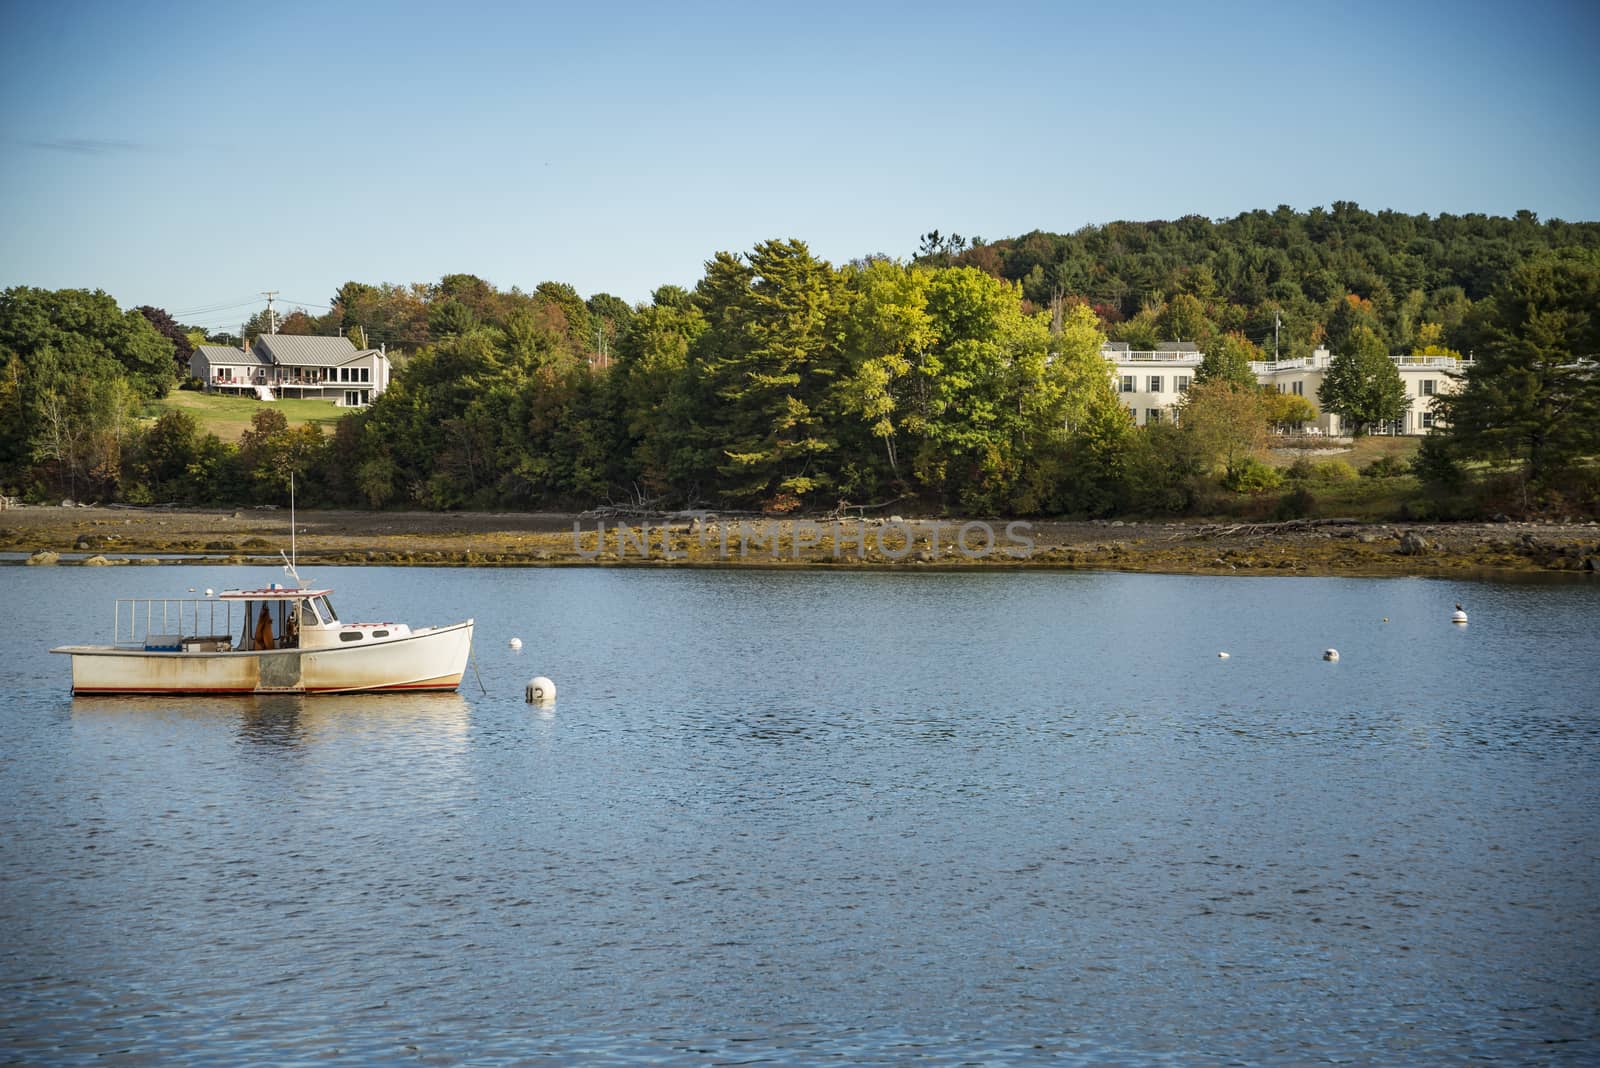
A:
[1335,471]
[1436,467]
[1385,467]
[1252,476]
[1301,470]
[1295,504]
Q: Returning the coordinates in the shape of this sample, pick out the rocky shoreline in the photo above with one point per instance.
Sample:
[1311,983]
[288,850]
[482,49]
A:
[109,536]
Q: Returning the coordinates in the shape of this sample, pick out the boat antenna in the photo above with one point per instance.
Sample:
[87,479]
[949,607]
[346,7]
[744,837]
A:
[294,555]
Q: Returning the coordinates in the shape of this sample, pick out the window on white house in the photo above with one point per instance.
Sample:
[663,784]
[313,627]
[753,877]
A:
[1155,383]
[1152,416]
[1299,389]
[1427,387]
[1425,418]
[1127,384]
[1181,383]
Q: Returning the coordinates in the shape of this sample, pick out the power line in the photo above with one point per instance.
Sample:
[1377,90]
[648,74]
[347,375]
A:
[208,309]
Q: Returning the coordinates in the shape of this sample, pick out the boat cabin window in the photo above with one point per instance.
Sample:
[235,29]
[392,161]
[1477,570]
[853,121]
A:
[380,634]
[324,609]
[350,636]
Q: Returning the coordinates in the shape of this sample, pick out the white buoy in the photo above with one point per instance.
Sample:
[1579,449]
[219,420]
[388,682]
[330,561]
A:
[515,643]
[209,592]
[541,691]
[1222,656]
[1458,616]
[1330,654]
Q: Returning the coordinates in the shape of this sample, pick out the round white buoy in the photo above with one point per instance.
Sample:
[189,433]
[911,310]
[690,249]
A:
[515,643]
[1458,616]
[209,592]
[541,691]
[1330,654]
[1222,656]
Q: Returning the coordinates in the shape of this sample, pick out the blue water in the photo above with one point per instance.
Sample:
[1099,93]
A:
[799,818]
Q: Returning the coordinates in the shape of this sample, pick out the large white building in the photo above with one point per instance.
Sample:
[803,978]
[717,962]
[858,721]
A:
[1151,383]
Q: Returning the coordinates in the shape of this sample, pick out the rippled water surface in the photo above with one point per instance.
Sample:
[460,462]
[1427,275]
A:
[811,817]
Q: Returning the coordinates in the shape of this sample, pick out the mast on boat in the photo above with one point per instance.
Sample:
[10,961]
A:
[292,559]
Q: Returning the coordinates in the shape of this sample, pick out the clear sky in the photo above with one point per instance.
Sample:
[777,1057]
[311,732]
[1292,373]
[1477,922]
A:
[189,156]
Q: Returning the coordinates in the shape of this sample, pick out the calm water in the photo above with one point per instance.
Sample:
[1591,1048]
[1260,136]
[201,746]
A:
[811,817]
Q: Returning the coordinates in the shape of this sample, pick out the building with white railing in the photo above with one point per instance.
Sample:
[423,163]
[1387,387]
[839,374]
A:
[292,365]
[1151,383]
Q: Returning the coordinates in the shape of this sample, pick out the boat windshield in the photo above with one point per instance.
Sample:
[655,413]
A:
[324,608]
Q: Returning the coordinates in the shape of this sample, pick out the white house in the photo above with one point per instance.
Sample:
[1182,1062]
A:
[292,365]
[1150,383]
[1425,377]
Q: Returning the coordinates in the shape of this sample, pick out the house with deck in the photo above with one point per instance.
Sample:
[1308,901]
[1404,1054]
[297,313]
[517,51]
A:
[293,365]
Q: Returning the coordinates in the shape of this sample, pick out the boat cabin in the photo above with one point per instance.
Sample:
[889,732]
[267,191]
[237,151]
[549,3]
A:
[279,617]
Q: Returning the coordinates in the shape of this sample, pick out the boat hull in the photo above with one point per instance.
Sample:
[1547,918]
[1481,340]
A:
[431,659]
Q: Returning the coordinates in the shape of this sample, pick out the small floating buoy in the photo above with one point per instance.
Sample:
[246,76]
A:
[1386,619]
[1222,656]
[515,643]
[1458,616]
[541,691]
[1330,654]
[209,592]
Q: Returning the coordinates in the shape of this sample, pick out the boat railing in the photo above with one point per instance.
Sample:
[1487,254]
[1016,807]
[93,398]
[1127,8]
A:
[165,623]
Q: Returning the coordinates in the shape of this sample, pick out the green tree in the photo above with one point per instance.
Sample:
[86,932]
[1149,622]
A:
[1363,384]
[1347,315]
[89,334]
[887,335]
[768,356]
[1287,410]
[1184,319]
[1227,359]
[1226,422]
[169,328]
[1533,393]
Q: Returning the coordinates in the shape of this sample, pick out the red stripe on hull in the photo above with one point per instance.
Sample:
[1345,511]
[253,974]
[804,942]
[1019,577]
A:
[415,687]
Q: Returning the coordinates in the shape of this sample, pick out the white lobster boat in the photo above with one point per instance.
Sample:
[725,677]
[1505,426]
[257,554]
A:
[273,640]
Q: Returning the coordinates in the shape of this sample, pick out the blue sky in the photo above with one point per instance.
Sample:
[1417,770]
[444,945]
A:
[189,156]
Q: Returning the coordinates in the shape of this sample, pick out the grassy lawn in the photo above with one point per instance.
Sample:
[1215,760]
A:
[229,417]
[1358,455]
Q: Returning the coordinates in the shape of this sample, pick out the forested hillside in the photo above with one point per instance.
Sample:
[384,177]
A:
[967,377]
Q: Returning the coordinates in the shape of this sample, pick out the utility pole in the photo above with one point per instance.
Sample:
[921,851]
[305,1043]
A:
[1277,321]
[272,316]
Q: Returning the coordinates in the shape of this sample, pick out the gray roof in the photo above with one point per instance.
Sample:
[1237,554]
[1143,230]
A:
[227,354]
[1115,346]
[1177,346]
[297,350]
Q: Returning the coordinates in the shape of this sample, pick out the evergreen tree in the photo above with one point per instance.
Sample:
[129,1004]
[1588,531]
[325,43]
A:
[1533,392]
[768,356]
